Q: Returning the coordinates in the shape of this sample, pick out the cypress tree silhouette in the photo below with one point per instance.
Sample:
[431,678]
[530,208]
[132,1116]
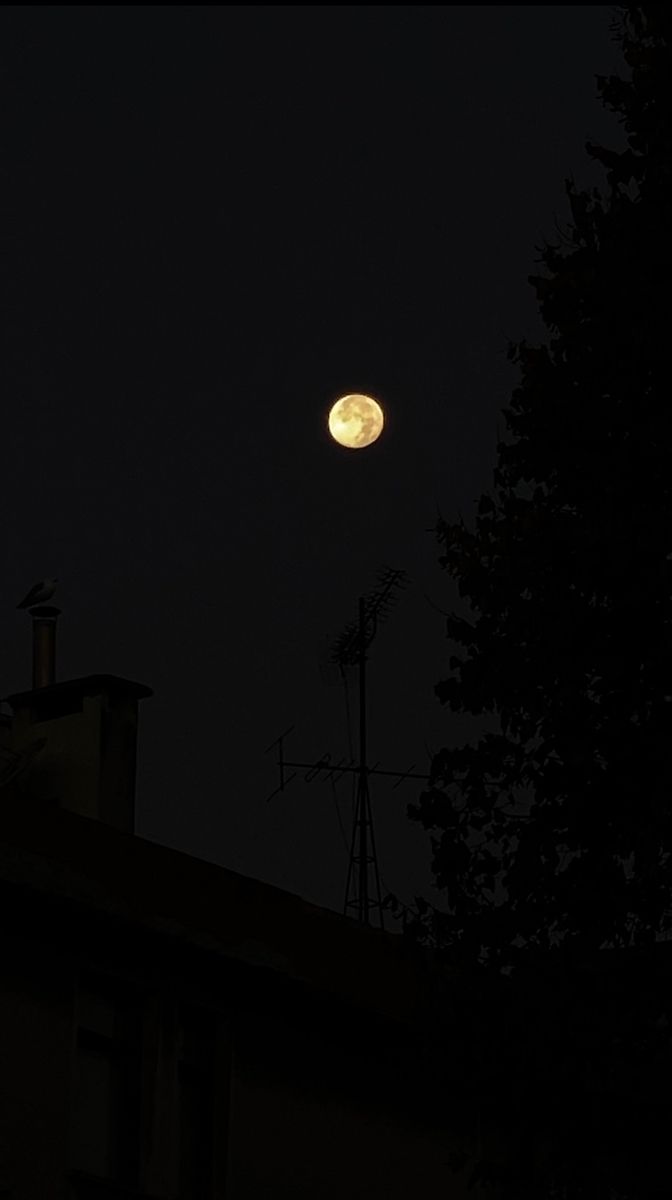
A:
[568,572]
[552,836]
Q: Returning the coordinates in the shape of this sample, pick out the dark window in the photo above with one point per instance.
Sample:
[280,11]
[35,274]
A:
[105,1112]
[196,1079]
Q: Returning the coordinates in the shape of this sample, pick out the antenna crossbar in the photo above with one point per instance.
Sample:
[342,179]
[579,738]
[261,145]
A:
[314,769]
[362,891]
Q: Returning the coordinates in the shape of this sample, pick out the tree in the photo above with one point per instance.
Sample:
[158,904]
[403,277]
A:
[552,836]
[565,811]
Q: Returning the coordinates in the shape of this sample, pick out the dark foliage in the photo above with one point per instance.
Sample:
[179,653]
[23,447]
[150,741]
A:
[552,836]
[568,574]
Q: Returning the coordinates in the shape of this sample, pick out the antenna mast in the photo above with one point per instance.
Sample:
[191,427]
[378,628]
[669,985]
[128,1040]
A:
[362,828]
[350,649]
[362,889]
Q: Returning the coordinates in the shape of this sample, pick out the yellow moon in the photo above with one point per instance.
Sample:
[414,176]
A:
[356,421]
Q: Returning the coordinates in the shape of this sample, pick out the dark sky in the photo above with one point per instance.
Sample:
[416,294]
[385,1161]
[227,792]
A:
[217,220]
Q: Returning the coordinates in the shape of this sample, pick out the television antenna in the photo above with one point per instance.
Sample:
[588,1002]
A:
[362,889]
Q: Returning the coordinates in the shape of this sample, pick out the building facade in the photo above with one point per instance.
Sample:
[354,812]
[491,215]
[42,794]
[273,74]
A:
[170,1030]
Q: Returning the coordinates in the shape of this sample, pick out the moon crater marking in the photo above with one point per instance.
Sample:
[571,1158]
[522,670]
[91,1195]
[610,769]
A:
[356,421]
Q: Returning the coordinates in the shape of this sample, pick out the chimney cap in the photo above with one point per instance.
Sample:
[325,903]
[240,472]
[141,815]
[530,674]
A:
[45,610]
[89,685]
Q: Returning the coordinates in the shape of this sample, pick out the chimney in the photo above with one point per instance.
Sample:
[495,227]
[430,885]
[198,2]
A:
[78,737]
[44,644]
[72,744]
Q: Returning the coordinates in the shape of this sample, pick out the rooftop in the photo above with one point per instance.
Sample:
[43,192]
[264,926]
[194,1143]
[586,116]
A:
[61,858]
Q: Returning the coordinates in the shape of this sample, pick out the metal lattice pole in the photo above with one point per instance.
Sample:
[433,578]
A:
[362,891]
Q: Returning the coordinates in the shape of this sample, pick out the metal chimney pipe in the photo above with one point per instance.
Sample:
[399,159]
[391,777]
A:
[44,644]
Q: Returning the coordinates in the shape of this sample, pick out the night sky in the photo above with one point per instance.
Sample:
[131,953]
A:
[216,221]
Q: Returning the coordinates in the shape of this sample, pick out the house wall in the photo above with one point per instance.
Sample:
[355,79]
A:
[301,1108]
[36,1043]
[319,1121]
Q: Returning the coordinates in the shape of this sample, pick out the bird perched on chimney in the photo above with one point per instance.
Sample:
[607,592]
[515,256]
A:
[39,593]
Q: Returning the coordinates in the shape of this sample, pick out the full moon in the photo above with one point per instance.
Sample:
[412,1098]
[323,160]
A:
[356,421]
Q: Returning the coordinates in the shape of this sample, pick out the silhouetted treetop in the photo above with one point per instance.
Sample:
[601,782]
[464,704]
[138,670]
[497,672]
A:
[558,825]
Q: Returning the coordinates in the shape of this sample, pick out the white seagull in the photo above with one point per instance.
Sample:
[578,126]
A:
[39,593]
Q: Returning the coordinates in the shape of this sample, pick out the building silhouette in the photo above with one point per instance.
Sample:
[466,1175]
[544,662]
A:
[170,1030]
